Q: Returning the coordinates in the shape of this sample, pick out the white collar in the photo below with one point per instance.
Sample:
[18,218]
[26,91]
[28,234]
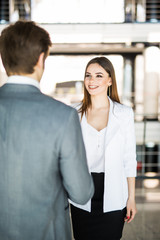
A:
[17,79]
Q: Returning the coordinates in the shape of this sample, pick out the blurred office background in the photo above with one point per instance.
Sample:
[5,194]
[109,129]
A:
[128,33]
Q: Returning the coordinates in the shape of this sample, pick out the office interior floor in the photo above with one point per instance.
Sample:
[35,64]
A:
[146,225]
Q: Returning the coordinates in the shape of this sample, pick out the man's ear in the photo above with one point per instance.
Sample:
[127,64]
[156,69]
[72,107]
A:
[40,62]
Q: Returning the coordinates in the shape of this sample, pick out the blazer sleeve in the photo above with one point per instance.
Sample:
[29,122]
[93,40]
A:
[130,163]
[73,164]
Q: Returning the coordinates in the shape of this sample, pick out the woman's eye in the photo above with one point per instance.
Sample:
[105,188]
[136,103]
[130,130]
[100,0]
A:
[87,75]
[99,76]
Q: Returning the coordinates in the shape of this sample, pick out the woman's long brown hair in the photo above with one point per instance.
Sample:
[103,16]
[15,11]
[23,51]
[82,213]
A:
[108,67]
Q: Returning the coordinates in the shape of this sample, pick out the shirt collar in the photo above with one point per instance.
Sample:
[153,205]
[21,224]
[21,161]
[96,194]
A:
[17,79]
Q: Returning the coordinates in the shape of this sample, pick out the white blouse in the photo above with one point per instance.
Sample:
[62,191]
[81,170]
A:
[94,144]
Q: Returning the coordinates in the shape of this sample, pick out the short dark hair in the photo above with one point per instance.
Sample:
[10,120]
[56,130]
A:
[21,44]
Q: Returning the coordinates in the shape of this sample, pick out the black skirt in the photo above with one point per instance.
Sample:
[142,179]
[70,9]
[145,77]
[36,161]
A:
[96,225]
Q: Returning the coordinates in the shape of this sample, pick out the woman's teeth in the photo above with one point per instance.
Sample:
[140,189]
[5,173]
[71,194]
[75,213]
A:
[92,87]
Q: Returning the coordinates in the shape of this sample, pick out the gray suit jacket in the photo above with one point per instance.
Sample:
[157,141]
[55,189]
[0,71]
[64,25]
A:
[42,164]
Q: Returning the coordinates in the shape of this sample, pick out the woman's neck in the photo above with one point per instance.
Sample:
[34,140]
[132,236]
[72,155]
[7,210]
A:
[99,102]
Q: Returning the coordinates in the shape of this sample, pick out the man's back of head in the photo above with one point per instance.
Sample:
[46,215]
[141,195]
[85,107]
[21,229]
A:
[21,45]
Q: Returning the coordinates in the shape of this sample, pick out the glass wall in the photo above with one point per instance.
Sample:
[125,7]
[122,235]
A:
[80,11]
[4,11]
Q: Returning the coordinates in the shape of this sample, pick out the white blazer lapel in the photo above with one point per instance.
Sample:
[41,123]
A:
[113,124]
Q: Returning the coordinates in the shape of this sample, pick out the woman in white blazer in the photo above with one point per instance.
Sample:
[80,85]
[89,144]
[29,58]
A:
[108,132]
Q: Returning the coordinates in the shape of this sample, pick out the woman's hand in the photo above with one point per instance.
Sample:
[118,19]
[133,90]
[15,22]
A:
[131,210]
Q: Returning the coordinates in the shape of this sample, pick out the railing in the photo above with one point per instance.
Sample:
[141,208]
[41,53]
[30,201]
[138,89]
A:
[148,164]
[148,147]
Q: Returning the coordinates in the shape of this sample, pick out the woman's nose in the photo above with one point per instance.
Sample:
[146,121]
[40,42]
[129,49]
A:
[91,79]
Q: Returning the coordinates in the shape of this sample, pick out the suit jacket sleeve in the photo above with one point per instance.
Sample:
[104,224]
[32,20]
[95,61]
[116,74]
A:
[73,165]
[130,162]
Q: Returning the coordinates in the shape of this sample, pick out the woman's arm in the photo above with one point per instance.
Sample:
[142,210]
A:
[131,204]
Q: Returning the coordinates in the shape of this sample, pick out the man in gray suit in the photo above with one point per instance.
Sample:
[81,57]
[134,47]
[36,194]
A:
[42,155]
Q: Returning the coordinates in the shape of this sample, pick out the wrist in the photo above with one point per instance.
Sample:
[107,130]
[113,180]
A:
[131,197]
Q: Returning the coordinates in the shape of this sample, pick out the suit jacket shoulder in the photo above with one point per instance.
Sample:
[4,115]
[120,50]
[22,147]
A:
[60,110]
[123,112]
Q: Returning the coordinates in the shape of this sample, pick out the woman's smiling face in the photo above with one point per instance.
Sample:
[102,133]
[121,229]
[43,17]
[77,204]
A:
[97,80]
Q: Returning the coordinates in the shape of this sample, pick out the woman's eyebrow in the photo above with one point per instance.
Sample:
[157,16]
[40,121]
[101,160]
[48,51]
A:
[99,73]
[95,73]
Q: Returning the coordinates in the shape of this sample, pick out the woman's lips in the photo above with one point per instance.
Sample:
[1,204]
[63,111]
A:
[92,87]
